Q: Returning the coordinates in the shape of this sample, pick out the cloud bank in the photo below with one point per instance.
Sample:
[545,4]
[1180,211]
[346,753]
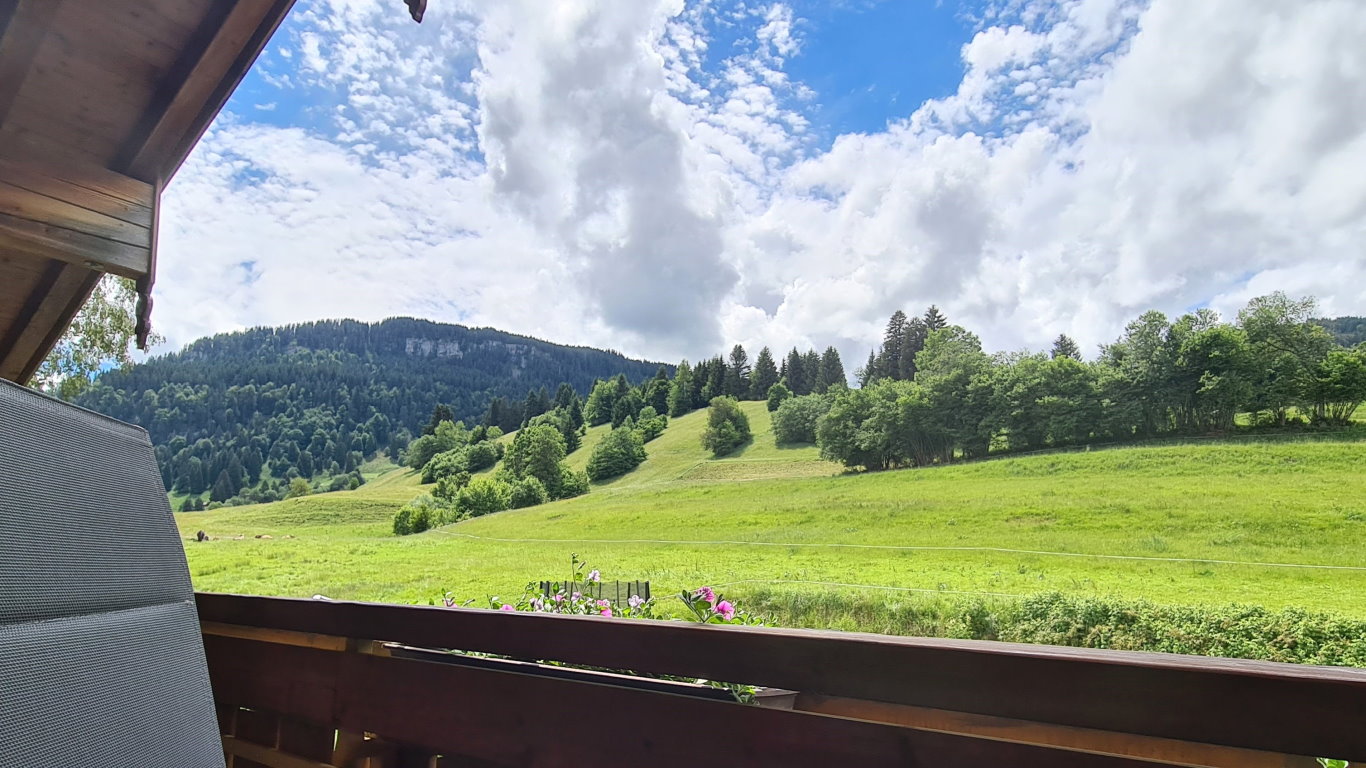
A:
[608,173]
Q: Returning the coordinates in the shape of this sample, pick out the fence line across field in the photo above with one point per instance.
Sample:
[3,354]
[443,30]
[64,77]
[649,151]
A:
[909,548]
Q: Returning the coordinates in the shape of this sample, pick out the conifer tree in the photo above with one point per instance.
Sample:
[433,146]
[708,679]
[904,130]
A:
[1063,346]
[795,373]
[440,413]
[764,376]
[680,390]
[832,370]
[868,372]
[737,373]
[935,320]
[893,339]
[916,331]
[811,366]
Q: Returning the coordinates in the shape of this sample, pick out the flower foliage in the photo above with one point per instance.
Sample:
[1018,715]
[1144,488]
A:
[703,605]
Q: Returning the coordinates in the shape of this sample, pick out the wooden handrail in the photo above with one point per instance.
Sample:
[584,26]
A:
[512,719]
[1282,708]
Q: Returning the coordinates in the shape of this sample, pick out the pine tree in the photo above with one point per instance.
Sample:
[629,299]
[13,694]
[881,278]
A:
[222,488]
[794,372]
[832,370]
[811,366]
[737,373]
[916,331]
[195,483]
[565,395]
[764,376]
[934,319]
[868,372]
[889,359]
[439,414]
[1063,346]
[716,379]
[680,390]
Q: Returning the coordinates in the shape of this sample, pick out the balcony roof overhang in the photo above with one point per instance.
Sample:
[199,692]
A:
[100,103]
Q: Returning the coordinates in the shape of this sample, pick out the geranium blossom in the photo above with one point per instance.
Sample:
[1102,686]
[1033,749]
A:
[726,610]
[635,601]
[507,607]
[607,612]
[594,576]
[707,594]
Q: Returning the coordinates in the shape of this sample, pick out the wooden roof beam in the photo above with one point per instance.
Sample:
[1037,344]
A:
[23,24]
[50,307]
[82,215]
[215,60]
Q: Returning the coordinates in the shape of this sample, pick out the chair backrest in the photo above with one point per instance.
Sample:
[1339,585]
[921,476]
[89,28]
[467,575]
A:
[101,659]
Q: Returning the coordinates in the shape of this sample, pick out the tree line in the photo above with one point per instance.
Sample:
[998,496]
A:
[930,394]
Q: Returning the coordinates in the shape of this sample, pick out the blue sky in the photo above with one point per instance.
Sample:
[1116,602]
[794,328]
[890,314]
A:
[669,177]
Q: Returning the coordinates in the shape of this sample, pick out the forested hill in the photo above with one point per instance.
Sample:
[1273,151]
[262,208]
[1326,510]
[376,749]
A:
[306,397]
[1347,331]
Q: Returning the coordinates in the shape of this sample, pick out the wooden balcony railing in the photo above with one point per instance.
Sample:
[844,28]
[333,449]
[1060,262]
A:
[306,684]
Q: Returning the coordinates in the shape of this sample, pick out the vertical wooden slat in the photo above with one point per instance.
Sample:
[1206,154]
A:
[314,742]
[258,727]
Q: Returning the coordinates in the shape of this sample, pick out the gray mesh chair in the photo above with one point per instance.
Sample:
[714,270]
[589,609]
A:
[101,661]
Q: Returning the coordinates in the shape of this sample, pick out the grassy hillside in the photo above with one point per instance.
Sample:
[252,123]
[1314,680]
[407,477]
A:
[1141,522]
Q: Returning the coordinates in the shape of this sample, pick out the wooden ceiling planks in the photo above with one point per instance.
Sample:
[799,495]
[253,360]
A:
[100,102]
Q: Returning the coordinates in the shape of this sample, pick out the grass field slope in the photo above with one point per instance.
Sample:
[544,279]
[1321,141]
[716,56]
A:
[1276,523]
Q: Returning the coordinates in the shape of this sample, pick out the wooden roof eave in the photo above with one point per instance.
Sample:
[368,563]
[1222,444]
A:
[70,214]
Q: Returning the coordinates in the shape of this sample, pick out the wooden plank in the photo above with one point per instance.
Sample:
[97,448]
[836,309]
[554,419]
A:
[1089,740]
[26,24]
[229,36]
[255,754]
[58,212]
[96,179]
[74,247]
[1293,709]
[281,636]
[86,188]
[256,726]
[50,308]
[506,718]
[310,741]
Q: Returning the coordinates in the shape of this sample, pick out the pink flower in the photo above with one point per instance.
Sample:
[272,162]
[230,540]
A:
[607,612]
[507,607]
[594,576]
[707,594]
[559,597]
[604,604]
[635,601]
[576,596]
[726,610]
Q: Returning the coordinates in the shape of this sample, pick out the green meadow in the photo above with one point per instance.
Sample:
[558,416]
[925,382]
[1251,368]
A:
[1199,523]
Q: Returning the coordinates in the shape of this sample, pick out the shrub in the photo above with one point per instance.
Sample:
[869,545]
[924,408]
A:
[420,514]
[796,419]
[538,452]
[483,496]
[776,395]
[651,423]
[298,487]
[447,488]
[573,483]
[481,456]
[620,451]
[447,437]
[527,492]
[727,427]
[445,464]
